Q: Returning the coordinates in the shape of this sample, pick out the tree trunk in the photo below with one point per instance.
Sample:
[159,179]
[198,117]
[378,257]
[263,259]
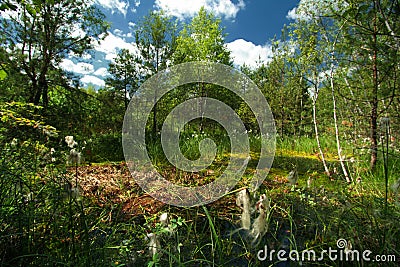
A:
[339,147]
[155,114]
[155,98]
[374,102]
[202,104]
[373,132]
[314,103]
[125,88]
[37,93]
[45,94]
[40,92]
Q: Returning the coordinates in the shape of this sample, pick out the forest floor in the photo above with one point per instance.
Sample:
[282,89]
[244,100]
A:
[313,214]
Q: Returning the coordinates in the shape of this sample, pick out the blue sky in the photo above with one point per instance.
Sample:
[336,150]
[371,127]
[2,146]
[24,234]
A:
[250,25]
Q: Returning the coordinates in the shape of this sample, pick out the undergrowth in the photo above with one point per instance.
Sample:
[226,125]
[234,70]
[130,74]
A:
[46,220]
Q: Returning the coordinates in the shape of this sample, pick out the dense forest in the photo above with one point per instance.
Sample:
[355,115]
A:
[67,197]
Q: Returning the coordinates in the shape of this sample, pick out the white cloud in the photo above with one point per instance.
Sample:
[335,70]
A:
[184,8]
[101,72]
[131,25]
[84,68]
[120,33]
[89,79]
[9,14]
[121,6]
[112,44]
[292,14]
[76,32]
[87,70]
[136,4]
[80,68]
[110,56]
[86,56]
[245,52]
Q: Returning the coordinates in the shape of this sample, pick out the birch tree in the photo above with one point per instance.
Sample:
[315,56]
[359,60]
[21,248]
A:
[203,39]
[372,53]
[156,41]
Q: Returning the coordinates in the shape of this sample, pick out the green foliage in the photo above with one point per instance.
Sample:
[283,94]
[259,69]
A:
[156,40]
[21,121]
[105,148]
[47,220]
[202,40]
[44,220]
[7,5]
[46,31]
[287,94]
[95,118]
[3,74]
[125,75]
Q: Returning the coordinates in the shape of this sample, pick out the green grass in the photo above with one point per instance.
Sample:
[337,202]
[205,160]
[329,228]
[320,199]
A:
[52,231]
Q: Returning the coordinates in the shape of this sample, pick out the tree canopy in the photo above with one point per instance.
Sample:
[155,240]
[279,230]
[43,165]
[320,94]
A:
[37,35]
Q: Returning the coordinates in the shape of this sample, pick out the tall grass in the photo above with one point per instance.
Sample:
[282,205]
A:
[43,224]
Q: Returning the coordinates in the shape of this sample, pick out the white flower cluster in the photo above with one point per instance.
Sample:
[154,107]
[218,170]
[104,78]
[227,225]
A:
[154,245]
[259,227]
[74,155]
[70,141]
[293,177]
[243,201]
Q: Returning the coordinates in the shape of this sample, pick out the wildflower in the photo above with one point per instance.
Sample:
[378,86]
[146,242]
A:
[75,192]
[74,156]
[52,152]
[70,191]
[70,141]
[164,219]
[154,244]
[14,142]
[165,223]
[28,197]
[243,201]
[263,203]
[348,247]
[293,177]
[259,227]
[309,181]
